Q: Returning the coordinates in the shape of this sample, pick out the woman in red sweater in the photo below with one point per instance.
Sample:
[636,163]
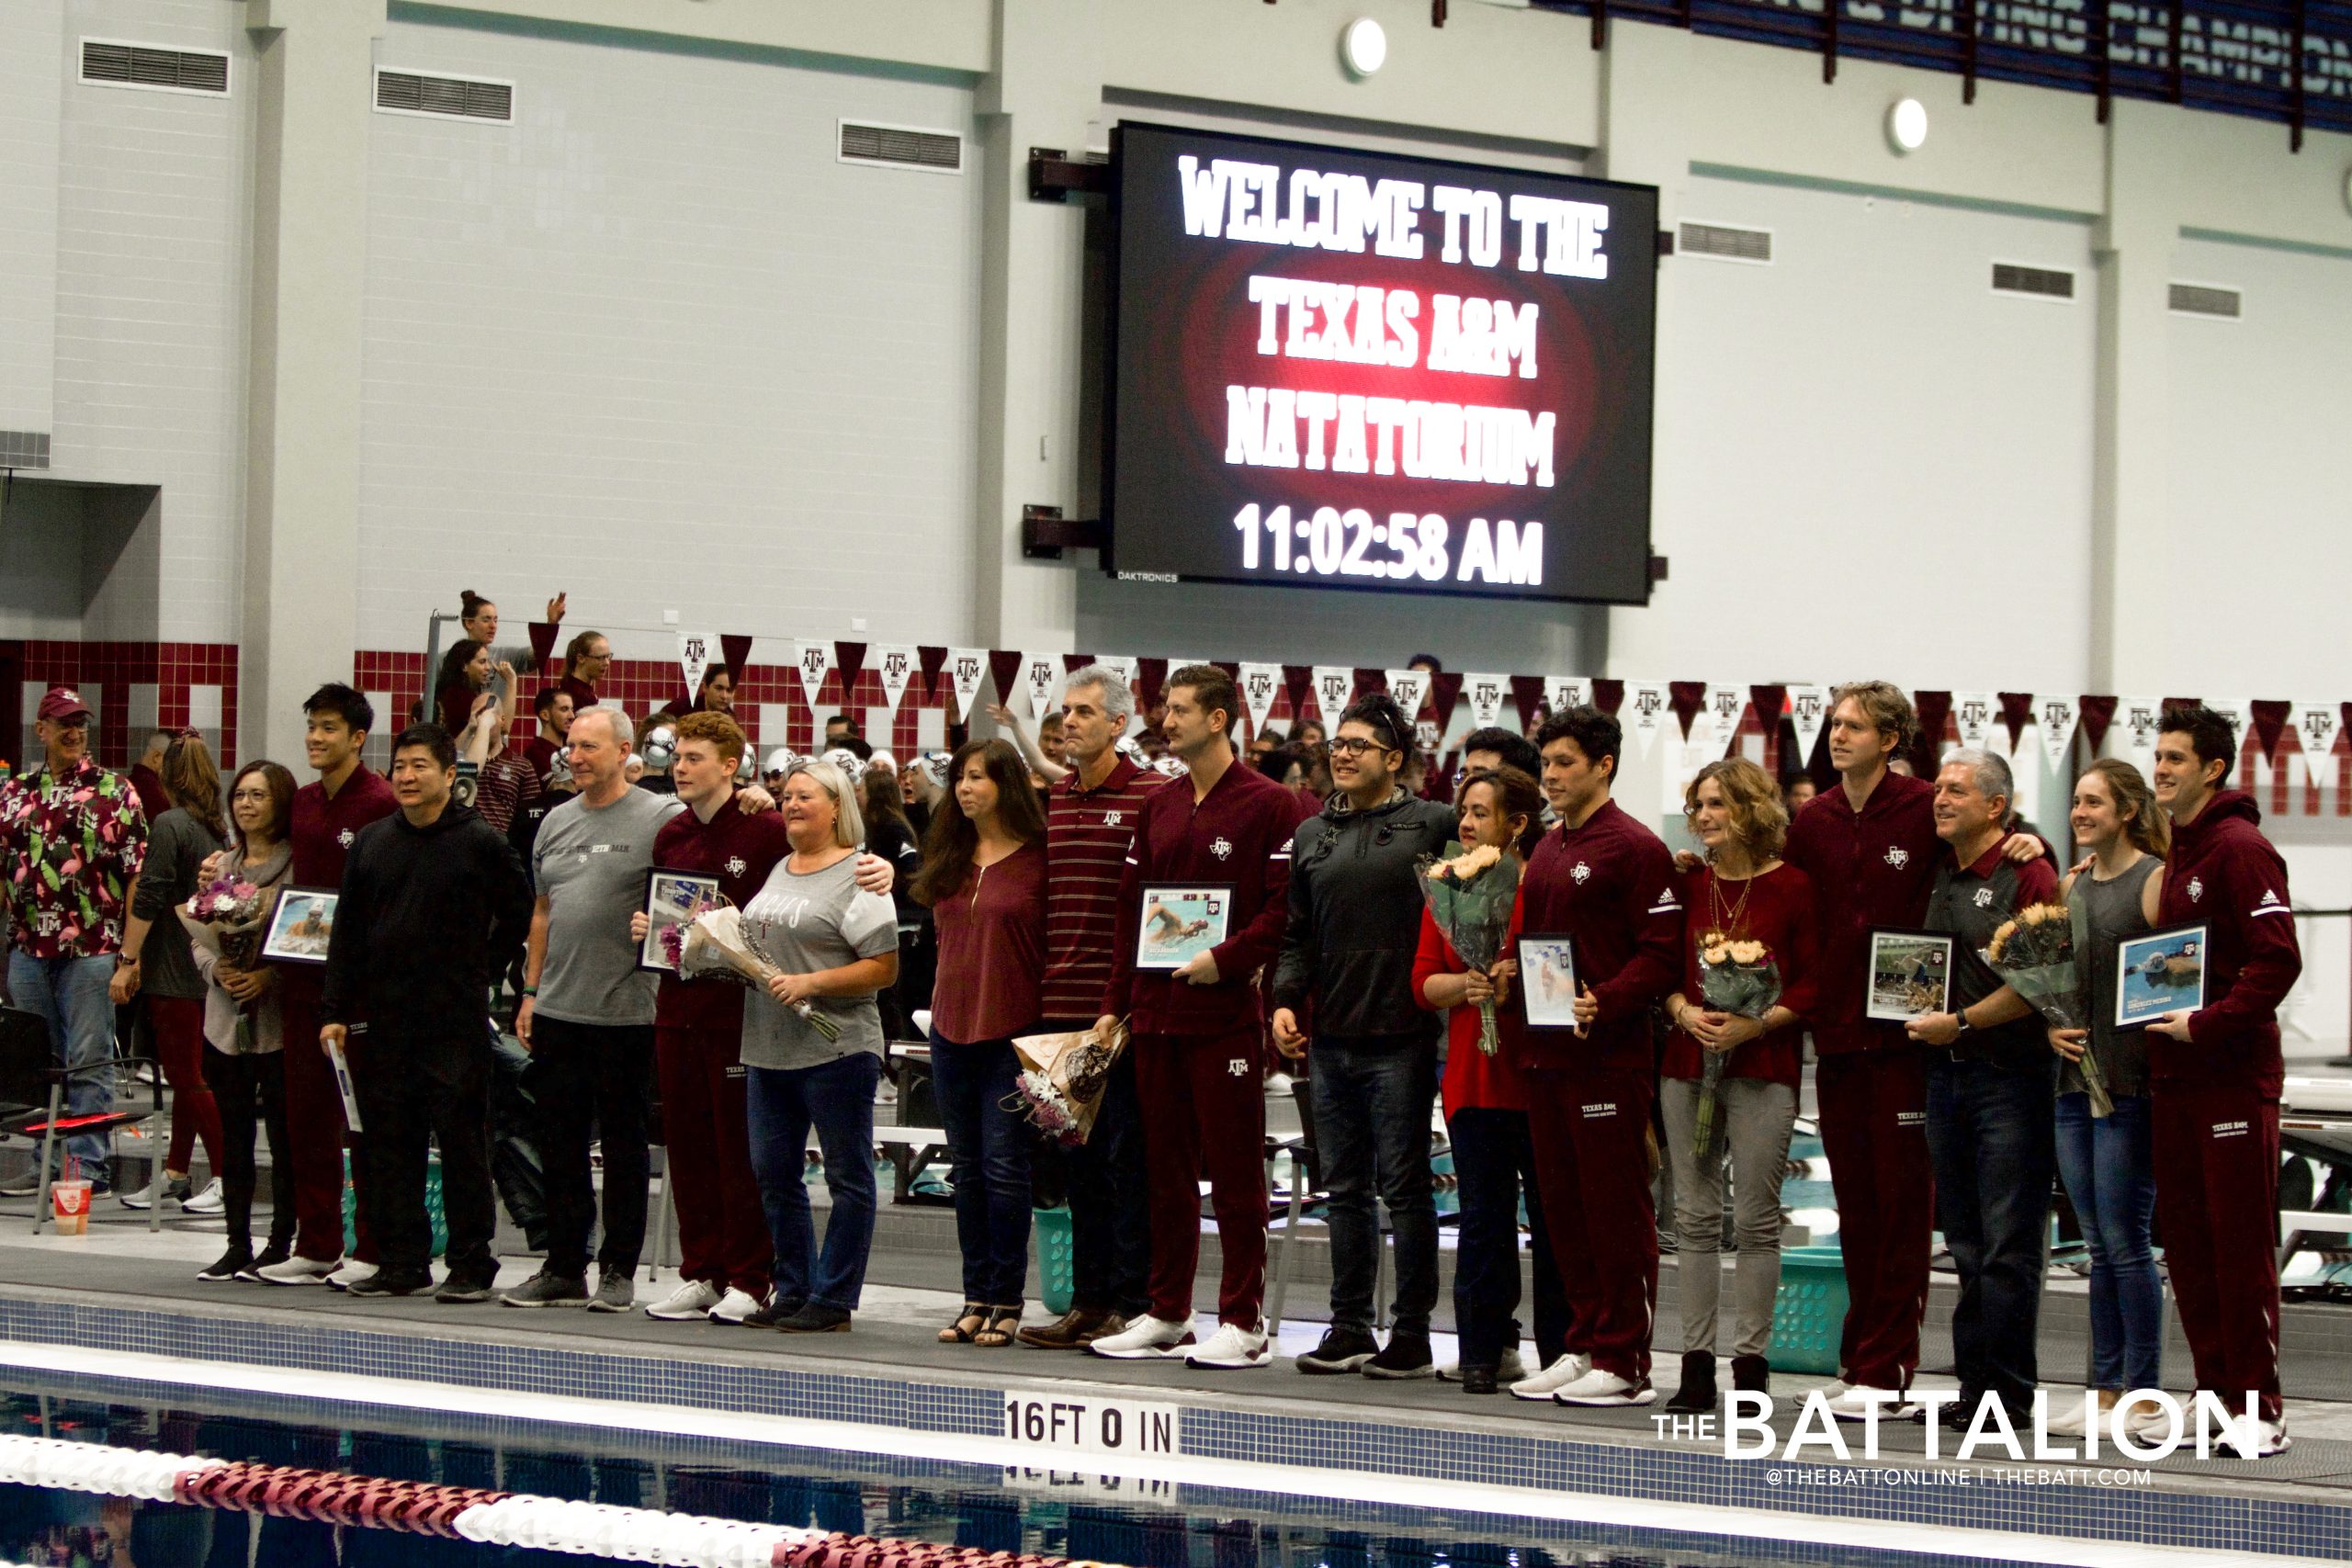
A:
[1486,1119]
[984,877]
[1745,909]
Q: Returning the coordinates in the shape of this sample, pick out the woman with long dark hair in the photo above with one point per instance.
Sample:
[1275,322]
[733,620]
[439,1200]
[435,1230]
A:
[164,970]
[984,877]
[467,671]
[245,1057]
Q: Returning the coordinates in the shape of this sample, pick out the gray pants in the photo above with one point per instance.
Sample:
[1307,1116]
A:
[1752,1118]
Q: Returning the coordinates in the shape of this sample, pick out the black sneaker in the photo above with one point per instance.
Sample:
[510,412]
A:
[1344,1350]
[460,1290]
[816,1317]
[271,1255]
[773,1312]
[1406,1356]
[235,1264]
[391,1282]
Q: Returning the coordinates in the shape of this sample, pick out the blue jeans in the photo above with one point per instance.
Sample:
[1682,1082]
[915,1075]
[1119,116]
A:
[989,1148]
[1989,1135]
[2110,1177]
[782,1104]
[1372,1132]
[70,996]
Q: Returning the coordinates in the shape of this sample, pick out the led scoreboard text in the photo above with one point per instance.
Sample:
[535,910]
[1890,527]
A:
[1378,372]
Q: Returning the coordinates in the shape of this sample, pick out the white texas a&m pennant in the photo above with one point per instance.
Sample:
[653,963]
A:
[1973,713]
[2138,720]
[2316,726]
[1562,692]
[967,667]
[1334,685]
[816,662]
[2239,711]
[694,658]
[1411,688]
[896,663]
[1485,695]
[1808,712]
[1646,712]
[2056,719]
[1259,684]
[1720,713]
[1042,677]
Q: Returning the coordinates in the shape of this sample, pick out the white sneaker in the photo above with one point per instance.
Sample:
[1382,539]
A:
[1509,1368]
[734,1307]
[2066,1418]
[1856,1401]
[1146,1338]
[2274,1438]
[692,1299]
[352,1272]
[297,1271]
[1552,1379]
[1232,1347]
[1836,1391]
[1600,1388]
[205,1203]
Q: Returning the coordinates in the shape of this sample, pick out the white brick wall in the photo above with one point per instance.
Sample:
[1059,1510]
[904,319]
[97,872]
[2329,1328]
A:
[153,238]
[656,322]
[29,141]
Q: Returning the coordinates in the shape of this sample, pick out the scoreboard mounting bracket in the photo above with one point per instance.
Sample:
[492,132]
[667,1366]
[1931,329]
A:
[1046,532]
[1054,175]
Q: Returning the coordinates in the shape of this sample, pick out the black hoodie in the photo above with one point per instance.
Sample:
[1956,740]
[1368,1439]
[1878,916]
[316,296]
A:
[428,917]
[1355,917]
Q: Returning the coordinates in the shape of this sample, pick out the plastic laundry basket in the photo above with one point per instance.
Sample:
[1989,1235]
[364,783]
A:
[1056,1259]
[432,1207]
[1809,1313]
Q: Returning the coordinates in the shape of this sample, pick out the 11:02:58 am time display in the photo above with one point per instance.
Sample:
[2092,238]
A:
[1406,547]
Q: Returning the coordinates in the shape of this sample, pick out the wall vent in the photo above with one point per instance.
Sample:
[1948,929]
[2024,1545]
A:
[2207,299]
[110,63]
[2039,282]
[1725,242]
[444,97]
[24,449]
[901,147]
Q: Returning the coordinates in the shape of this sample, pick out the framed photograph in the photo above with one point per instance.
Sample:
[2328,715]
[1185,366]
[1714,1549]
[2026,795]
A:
[2160,972]
[671,898]
[301,925]
[1547,980]
[1910,975]
[1180,921]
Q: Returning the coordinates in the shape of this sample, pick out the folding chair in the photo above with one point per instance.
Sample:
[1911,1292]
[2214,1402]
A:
[32,1099]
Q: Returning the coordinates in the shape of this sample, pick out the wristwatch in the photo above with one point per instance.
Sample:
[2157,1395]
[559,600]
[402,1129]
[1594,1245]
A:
[1960,1017]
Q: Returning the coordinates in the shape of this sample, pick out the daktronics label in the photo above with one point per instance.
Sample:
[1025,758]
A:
[1353,369]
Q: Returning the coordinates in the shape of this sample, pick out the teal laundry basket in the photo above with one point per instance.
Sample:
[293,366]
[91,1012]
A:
[432,1207]
[1056,1259]
[1809,1313]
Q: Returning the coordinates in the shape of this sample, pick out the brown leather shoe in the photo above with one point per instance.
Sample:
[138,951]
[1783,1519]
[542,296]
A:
[1074,1330]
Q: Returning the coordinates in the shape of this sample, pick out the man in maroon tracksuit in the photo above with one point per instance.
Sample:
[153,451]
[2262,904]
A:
[2217,1071]
[1608,885]
[327,818]
[724,1250]
[1196,1037]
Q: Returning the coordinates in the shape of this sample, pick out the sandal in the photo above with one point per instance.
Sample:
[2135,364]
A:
[975,1314]
[1004,1324]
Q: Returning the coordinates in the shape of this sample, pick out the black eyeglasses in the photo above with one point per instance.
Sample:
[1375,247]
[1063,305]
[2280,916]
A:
[1350,746]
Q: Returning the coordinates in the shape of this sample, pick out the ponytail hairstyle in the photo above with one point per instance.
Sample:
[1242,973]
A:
[2143,825]
[192,782]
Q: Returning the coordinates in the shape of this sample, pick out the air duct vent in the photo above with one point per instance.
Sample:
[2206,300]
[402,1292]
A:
[2206,299]
[109,63]
[2041,282]
[901,147]
[24,449]
[1725,243]
[444,97]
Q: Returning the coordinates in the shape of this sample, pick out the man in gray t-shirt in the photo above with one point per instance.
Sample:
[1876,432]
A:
[587,1016]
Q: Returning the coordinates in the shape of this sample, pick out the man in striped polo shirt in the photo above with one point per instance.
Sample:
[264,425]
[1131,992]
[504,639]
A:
[1090,826]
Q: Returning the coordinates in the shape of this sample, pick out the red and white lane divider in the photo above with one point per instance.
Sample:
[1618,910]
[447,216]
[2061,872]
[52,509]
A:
[489,1519]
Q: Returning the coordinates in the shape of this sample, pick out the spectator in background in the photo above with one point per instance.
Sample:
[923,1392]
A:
[587,1017]
[244,1036]
[328,817]
[146,778]
[835,946]
[585,659]
[432,902]
[1091,818]
[1286,765]
[1486,750]
[920,779]
[1045,756]
[984,879]
[467,673]
[717,692]
[1797,792]
[552,708]
[840,727]
[478,618]
[162,969]
[890,837]
[508,783]
[72,836]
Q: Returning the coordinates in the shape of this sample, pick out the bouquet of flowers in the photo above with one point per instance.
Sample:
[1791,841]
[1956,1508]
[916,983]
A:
[226,919]
[715,943]
[673,937]
[1737,976]
[1470,895]
[1062,1079]
[2034,952]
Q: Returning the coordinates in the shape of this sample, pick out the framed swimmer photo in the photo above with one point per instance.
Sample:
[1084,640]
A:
[301,925]
[673,898]
[1547,980]
[1910,975]
[2159,973]
[1180,923]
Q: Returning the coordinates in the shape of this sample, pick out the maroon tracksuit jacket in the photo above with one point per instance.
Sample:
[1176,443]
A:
[1872,868]
[1611,888]
[1197,1047]
[2216,1100]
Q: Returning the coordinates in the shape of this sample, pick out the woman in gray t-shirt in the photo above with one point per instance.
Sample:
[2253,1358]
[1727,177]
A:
[813,1048]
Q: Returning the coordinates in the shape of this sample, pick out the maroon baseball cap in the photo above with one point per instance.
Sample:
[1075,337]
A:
[62,702]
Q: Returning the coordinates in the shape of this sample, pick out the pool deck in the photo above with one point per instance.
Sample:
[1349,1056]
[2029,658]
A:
[123,1303]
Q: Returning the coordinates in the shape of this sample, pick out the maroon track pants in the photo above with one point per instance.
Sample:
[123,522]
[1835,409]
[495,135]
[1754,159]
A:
[1874,1131]
[178,1024]
[1204,1102]
[2215,1148]
[1589,1129]
[314,1129]
[722,1229]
